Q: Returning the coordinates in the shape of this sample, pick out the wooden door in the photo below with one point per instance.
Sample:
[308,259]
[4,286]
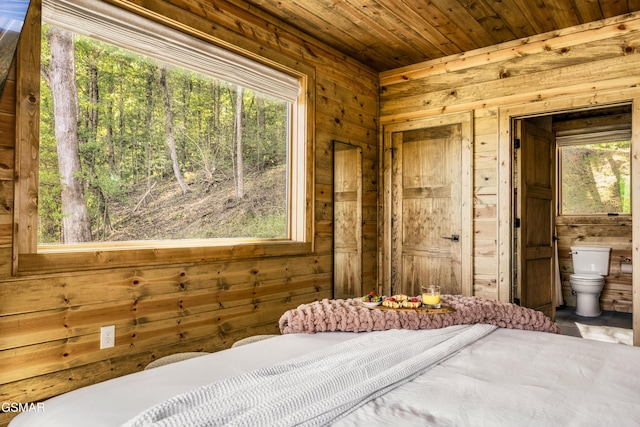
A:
[426,225]
[347,220]
[535,254]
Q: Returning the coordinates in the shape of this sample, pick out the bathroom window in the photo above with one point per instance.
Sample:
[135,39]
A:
[594,176]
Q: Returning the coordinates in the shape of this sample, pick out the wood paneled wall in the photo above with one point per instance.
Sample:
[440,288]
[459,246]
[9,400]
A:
[49,322]
[611,232]
[199,299]
[579,67]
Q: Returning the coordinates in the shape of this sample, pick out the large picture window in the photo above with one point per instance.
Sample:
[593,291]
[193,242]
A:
[150,134]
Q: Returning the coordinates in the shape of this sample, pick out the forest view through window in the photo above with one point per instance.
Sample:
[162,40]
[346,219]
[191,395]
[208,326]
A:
[132,148]
[595,178]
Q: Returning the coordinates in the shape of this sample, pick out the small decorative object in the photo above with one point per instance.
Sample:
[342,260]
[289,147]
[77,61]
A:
[391,303]
[431,296]
[371,300]
[401,301]
[412,302]
[401,297]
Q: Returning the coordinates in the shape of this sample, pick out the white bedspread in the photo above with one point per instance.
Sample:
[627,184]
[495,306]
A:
[507,378]
[317,388]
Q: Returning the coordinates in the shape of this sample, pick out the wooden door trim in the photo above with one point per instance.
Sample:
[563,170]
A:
[635,215]
[598,99]
[466,181]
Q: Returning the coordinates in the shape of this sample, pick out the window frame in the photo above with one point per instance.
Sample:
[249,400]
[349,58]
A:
[30,258]
[593,138]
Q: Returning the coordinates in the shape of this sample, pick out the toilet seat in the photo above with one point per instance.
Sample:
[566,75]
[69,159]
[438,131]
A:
[587,278]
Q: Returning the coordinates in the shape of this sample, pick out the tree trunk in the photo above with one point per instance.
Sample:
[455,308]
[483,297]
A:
[240,166]
[171,141]
[261,130]
[111,156]
[61,76]
[149,123]
[101,232]
[94,99]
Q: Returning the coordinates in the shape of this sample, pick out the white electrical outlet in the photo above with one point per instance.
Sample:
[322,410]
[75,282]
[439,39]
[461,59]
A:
[107,336]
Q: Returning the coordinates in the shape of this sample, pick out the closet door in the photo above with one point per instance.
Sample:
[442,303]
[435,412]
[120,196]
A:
[426,230]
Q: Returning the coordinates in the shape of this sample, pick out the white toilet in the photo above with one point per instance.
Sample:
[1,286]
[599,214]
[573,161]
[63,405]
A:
[590,264]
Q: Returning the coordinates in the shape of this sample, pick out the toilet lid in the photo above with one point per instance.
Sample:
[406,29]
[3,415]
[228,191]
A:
[587,277]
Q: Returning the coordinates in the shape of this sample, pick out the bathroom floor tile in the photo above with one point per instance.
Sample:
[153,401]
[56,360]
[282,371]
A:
[566,318]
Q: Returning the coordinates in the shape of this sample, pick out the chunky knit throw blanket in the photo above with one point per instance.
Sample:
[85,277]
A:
[351,316]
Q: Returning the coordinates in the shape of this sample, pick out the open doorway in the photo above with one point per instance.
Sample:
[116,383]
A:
[571,186]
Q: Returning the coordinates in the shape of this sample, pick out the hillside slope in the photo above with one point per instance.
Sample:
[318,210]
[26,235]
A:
[207,211]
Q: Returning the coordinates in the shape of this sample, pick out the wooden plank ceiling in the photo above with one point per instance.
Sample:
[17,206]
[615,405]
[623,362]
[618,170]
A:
[387,34]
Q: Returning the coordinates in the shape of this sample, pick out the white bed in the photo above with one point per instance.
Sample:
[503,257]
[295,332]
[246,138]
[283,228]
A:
[507,378]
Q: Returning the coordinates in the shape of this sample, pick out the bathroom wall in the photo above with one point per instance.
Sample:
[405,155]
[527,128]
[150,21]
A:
[613,232]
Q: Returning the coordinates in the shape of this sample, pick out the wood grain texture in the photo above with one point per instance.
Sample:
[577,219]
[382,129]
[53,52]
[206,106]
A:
[578,67]
[393,213]
[193,298]
[173,298]
[612,232]
[387,34]
[347,229]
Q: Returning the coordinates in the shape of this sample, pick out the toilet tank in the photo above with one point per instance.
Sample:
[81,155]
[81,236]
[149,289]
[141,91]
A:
[590,260]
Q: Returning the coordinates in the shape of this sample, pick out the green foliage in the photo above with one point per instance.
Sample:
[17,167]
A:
[595,178]
[272,226]
[124,142]
[625,194]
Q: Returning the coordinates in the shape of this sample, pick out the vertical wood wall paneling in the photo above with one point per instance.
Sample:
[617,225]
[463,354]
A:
[201,299]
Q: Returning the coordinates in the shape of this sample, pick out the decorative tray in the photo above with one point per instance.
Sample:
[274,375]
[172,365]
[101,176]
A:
[443,309]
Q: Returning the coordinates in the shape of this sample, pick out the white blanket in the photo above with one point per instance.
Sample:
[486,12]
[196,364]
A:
[315,389]
[508,378]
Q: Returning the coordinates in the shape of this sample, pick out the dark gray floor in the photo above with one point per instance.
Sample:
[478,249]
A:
[566,318]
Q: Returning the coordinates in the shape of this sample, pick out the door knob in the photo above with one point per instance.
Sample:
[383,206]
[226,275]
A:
[453,238]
